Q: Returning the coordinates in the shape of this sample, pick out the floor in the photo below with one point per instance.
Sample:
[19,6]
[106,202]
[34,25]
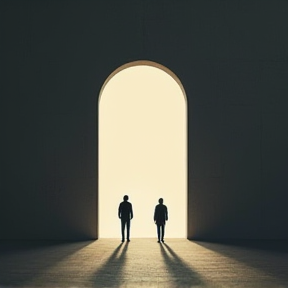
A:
[144,263]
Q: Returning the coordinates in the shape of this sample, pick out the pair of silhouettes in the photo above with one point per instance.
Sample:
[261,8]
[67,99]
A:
[125,213]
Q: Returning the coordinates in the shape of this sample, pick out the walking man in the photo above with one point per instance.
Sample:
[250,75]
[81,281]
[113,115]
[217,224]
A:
[160,218]
[125,213]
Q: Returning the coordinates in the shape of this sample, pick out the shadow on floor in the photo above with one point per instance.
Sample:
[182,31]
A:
[280,246]
[20,261]
[269,256]
[180,273]
[111,273]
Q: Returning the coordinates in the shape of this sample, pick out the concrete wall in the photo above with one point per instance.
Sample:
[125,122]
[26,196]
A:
[231,57]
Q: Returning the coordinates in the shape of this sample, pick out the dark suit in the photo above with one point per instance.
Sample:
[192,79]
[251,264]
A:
[160,217]
[125,213]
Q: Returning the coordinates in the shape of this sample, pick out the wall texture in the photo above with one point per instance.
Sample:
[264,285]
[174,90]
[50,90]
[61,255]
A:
[232,59]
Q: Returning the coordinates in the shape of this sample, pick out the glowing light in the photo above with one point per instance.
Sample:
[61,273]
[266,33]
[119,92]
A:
[142,151]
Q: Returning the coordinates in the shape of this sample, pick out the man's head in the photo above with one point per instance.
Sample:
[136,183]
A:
[160,200]
[125,198]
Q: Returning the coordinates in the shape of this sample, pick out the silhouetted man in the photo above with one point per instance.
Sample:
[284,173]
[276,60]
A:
[125,213]
[160,218]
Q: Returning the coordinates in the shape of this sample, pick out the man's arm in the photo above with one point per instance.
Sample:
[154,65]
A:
[166,213]
[131,212]
[119,210]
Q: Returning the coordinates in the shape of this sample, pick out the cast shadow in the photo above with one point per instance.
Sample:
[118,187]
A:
[21,261]
[180,273]
[280,246]
[270,256]
[111,273]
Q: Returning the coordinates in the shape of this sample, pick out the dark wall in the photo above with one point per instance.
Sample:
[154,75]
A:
[232,59]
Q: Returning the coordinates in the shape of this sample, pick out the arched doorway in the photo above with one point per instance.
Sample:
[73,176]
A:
[142,148]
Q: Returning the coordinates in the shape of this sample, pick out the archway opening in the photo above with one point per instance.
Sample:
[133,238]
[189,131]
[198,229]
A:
[142,149]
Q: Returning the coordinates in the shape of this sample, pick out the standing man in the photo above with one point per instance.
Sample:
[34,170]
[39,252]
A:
[125,213]
[160,218]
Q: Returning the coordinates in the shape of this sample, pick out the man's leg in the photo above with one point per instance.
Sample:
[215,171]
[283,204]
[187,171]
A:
[158,232]
[163,232]
[122,229]
[128,230]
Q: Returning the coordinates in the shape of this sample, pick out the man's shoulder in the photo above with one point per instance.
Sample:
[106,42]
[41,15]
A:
[126,203]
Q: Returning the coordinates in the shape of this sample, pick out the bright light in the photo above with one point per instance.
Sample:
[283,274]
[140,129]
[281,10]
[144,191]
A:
[142,151]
